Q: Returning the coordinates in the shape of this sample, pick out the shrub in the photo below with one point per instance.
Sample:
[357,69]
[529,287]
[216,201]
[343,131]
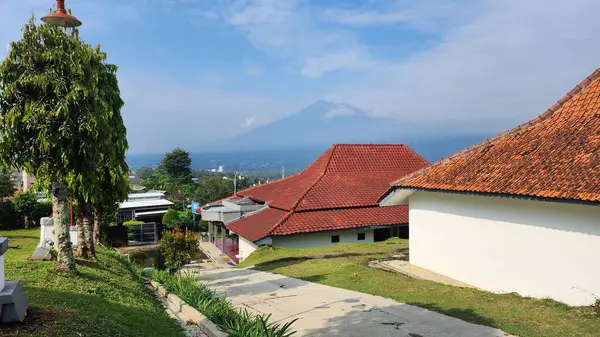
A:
[219,310]
[170,219]
[158,260]
[9,218]
[174,219]
[132,222]
[137,257]
[42,209]
[597,306]
[177,249]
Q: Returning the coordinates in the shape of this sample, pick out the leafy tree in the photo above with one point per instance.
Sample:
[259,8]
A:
[176,165]
[55,117]
[144,172]
[25,203]
[7,185]
[213,188]
[116,189]
[174,219]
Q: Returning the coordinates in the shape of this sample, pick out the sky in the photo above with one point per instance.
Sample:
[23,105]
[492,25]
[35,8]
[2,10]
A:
[192,72]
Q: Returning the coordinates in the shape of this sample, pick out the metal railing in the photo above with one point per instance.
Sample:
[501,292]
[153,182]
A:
[143,233]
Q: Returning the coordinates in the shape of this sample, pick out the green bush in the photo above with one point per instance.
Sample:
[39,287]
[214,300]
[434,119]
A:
[137,257]
[177,249]
[42,209]
[174,219]
[132,222]
[170,219]
[219,310]
[9,218]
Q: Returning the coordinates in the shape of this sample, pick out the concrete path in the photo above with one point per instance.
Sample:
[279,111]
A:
[328,311]
[403,267]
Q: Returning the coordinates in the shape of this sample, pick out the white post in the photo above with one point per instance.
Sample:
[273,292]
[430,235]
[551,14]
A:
[3,249]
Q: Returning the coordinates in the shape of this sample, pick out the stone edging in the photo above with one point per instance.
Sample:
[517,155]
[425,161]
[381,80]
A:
[187,312]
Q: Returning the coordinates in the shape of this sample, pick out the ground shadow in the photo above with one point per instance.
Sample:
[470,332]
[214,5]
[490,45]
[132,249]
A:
[395,320]
[74,314]
[289,260]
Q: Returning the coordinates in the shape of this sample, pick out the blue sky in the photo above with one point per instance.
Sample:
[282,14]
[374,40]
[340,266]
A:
[195,71]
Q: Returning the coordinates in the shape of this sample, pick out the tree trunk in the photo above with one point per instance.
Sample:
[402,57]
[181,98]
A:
[26,221]
[97,223]
[89,230]
[82,248]
[62,241]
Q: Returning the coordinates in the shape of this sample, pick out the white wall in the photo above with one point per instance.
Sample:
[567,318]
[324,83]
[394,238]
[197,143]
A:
[246,248]
[320,238]
[534,248]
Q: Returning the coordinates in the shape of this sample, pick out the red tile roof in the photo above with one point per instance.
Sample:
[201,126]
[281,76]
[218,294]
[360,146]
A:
[345,218]
[339,190]
[556,155]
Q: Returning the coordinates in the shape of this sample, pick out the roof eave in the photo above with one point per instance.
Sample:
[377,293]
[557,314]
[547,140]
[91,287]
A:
[396,196]
[412,190]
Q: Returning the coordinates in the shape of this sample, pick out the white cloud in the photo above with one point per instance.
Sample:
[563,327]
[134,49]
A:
[507,64]
[365,17]
[289,29]
[249,121]
[161,112]
[340,111]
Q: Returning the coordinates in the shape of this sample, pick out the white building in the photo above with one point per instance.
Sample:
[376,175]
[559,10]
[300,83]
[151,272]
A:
[149,207]
[519,212]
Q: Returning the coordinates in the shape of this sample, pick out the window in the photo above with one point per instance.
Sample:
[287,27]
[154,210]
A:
[335,238]
[361,236]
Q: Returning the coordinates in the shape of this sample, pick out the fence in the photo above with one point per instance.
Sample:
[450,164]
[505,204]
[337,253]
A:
[144,233]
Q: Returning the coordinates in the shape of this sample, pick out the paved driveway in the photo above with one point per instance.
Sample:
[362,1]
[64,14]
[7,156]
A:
[328,311]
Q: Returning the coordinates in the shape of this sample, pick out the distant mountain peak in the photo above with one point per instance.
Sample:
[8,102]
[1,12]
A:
[323,109]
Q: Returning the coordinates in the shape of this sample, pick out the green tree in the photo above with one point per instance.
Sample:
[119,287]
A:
[213,188]
[55,118]
[176,164]
[144,172]
[25,203]
[7,185]
[116,188]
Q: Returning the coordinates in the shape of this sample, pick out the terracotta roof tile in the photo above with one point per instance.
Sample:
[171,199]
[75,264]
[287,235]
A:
[336,219]
[556,155]
[338,190]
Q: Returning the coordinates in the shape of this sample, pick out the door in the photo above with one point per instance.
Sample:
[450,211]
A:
[381,234]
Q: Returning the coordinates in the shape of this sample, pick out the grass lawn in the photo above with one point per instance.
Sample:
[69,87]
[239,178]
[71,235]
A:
[104,299]
[525,317]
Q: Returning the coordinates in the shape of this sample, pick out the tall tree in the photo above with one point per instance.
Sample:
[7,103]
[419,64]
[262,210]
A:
[115,186]
[25,203]
[54,121]
[177,165]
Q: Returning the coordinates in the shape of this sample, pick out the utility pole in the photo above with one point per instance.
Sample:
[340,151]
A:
[282,171]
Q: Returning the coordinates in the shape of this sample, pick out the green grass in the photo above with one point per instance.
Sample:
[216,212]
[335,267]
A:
[525,317]
[106,298]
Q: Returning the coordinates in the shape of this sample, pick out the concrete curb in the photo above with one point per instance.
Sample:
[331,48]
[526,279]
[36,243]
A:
[187,312]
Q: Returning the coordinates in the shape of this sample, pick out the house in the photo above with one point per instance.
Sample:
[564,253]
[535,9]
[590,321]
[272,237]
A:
[519,212]
[148,207]
[333,200]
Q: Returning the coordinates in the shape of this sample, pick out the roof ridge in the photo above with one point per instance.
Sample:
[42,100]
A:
[520,128]
[293,208]
[285,178]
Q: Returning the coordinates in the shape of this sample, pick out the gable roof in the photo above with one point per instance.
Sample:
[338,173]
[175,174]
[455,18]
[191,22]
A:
[556,155]
[346,176]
